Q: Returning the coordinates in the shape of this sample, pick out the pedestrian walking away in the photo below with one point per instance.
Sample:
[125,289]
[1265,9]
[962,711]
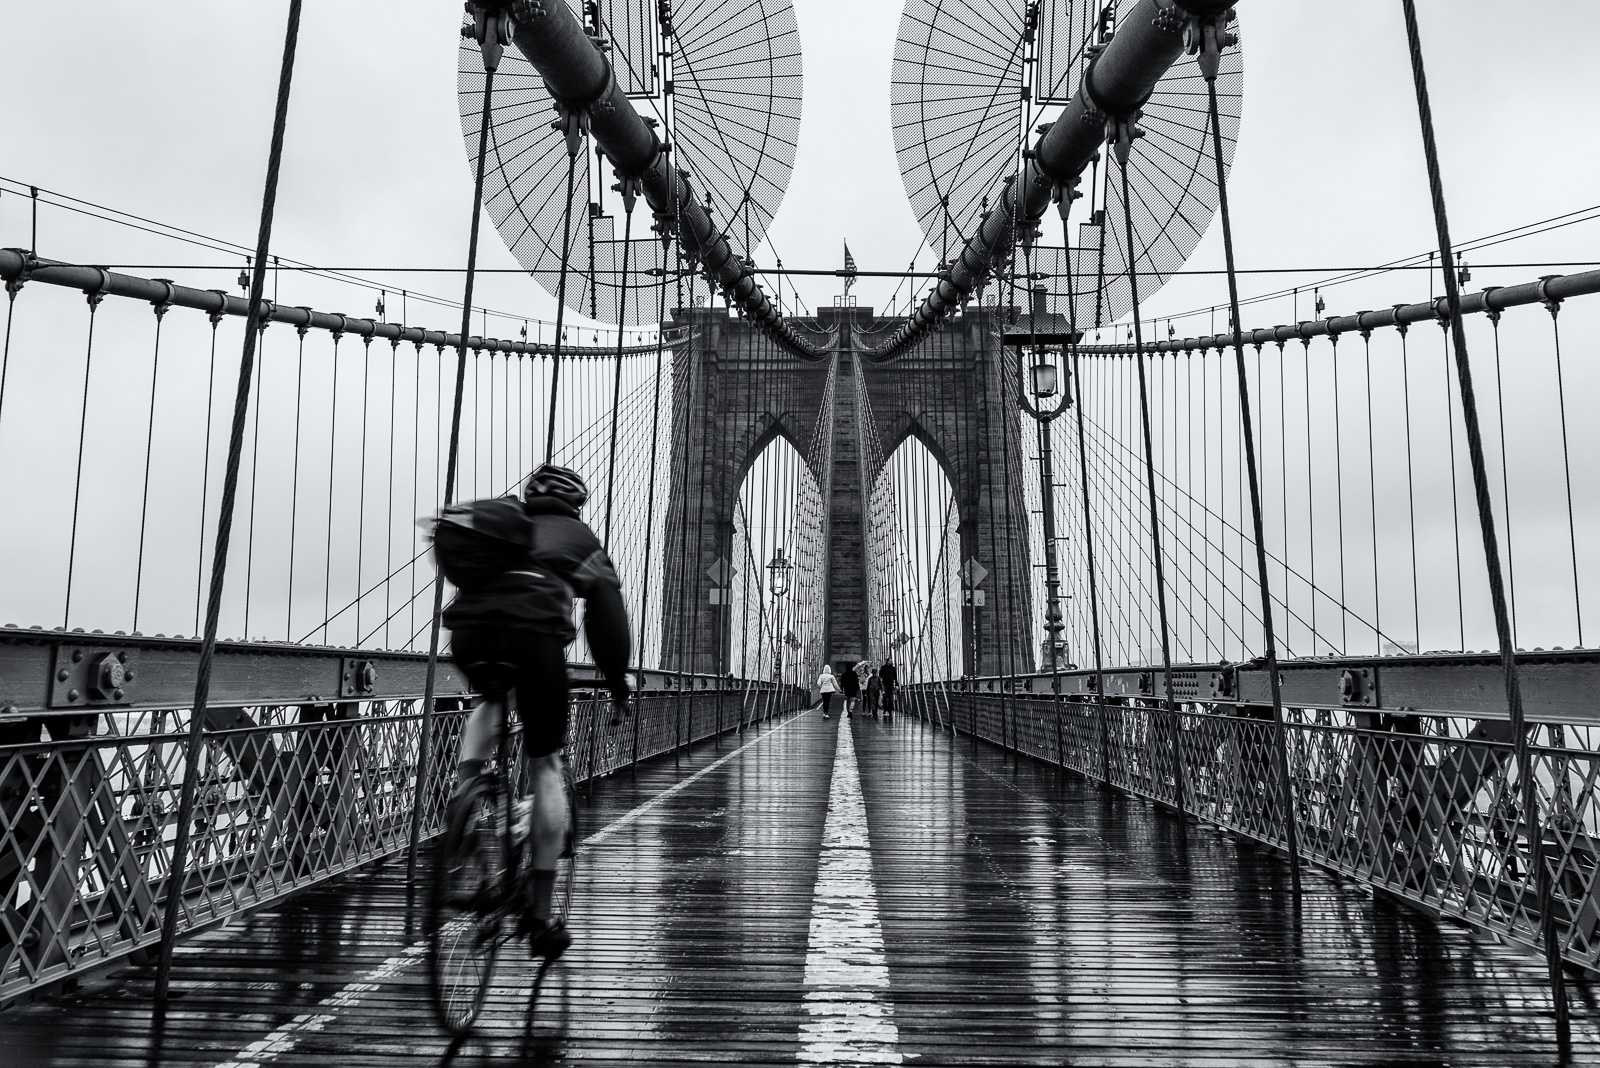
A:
[827,686]
[850,685]
[874,694]
[890,678]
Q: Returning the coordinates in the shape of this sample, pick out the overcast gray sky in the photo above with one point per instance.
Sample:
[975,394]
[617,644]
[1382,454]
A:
[163,110]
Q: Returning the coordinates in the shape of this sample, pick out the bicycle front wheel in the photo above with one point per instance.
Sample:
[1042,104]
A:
[465,917]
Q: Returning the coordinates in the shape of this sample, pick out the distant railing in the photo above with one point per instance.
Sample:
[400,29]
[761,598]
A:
[1424,805]
[291,795]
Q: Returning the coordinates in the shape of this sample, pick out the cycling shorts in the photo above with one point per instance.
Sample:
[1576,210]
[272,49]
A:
[541,678]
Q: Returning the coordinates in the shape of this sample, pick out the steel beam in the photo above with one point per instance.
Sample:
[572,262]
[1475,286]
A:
[1551,289]
[19,267]
[1559,684]
[60,673]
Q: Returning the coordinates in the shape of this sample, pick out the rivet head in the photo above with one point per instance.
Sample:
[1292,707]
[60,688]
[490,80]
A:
[117,693]
[77,655]
[63,675]
[72,695]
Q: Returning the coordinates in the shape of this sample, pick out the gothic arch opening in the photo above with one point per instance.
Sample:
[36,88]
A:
[915,595]
[776,596]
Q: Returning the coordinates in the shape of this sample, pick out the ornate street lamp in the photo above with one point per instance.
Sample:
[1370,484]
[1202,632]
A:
[779,571]
[1044,382]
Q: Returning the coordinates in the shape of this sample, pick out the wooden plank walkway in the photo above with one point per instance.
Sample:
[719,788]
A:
[792,897]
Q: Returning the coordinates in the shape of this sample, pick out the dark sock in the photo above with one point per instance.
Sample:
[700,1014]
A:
[542,890]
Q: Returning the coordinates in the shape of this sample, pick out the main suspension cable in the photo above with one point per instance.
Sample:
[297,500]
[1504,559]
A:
[177,869]
[420,790]
[1258,524]
[1486,523]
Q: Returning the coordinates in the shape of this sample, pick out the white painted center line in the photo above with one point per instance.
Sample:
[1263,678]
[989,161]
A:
[285,1037]
[847,974]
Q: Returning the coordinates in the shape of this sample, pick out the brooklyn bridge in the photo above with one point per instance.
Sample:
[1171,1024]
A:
[1194,505]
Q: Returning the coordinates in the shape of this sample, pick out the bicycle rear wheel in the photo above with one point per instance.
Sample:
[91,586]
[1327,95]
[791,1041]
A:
[465,917]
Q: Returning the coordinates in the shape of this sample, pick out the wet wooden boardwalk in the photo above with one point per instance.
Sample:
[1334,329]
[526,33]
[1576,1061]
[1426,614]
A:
[802,897]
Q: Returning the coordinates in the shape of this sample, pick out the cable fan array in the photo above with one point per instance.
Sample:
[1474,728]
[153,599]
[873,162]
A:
[721,78]
[972,83]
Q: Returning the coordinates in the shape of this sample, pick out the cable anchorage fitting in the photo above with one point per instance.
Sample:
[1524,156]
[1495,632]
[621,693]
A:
[631,188]
[161,306]
[491,28]
[573,122]
[1551,304]
[30,263]
[1206,37]
[1121,133]
[95,295]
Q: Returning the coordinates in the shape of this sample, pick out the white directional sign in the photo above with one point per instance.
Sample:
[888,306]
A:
[973,572]
[719,572]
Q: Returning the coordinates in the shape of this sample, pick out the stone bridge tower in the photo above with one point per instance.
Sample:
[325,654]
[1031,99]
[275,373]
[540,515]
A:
[735,392]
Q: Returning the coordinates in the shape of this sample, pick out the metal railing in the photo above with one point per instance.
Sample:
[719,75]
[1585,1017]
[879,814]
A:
[1423,806]
[291,795]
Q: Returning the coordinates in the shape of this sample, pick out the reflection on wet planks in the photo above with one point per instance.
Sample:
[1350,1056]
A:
[1031,918]
[1026,917]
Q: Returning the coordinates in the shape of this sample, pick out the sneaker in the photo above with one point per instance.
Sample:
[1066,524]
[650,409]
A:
[546,938]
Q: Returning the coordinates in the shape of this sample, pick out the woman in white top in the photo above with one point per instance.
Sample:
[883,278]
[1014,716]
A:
[827,686]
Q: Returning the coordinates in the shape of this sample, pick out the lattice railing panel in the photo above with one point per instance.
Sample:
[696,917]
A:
[289,797]
[1427,808]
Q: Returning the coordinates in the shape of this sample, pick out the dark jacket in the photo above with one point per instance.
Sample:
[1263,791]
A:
[889,676]
[851,682]
[564,560]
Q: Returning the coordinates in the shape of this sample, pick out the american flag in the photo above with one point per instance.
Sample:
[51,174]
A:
[849,268]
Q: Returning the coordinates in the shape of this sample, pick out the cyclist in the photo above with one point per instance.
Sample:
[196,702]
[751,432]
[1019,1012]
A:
[525,618]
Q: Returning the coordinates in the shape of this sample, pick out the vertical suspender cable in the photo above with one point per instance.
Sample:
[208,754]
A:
[616,385]
[425,743]
[83,429]
[650,501]
[294,480]
[1173,720]
[202,690]
[149,447]
[561,287]
[1088,531]
[205,469]
[1491,546]
[1208,66]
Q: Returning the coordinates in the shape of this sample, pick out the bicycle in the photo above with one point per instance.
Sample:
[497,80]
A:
[476,896]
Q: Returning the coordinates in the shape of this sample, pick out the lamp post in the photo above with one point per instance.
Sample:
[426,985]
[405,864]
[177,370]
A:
[1043,383]
[779,570]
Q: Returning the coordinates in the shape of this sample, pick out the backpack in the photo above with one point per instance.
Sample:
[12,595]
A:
[478,542]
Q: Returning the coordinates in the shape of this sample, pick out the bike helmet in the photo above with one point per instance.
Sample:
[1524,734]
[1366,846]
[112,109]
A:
[562,483]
